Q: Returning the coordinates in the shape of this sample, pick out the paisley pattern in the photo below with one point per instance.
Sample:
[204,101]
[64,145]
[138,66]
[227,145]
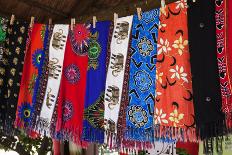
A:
[94,51]
[72,73]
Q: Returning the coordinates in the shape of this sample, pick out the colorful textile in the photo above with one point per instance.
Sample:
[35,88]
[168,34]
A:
[210,120]
[16,42]
[32,64]
[174,109]
[93,124]
[73,85]
[3,28]
[139,117]
[228,50]
[115,74]
[41,81]
[222,58]
[55,66]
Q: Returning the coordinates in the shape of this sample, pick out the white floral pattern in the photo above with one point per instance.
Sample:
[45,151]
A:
[181,4]
[180,44]
[175,117]
[163,46]
[159,76]
[160,117]
[179,73]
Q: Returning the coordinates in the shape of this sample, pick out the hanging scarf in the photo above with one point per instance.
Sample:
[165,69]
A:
[210,121]
[32,64]
[55,65]
[222,59]
[228,50]
[41,81]
[73,85]
[139,117]
[115,75]
[3,28]
[174,109]
[16,42]
[93,124]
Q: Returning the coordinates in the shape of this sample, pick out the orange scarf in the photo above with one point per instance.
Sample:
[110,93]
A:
[30,73]
[174,111]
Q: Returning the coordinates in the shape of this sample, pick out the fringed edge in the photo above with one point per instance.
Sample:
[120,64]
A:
[72,134]
[170,134]
[209,144]
[91,134]
[42,126]
[213,129]
[8,128]
[110,139]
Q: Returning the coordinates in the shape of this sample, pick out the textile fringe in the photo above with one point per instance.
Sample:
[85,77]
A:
[42,126]
[110,139]
[73,134]
[9,129]
[92,135]
[214,129]
[169,134]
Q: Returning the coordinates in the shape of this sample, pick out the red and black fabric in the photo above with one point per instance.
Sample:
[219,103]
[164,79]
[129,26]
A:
[210,120]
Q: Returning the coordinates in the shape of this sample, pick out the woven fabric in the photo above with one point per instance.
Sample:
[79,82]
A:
[16,43]
[73,86]
[32,63]
[210,120]
[55,66]
[93,125]
[174,109]
[139,115]
[3,60]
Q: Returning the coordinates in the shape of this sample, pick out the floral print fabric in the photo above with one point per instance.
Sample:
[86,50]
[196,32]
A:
[16,42]
[174,112]
[33,58]
[3,29]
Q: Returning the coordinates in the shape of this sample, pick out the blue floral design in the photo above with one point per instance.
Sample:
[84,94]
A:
[142,80]
[37,57]
[138,116]
[25,111]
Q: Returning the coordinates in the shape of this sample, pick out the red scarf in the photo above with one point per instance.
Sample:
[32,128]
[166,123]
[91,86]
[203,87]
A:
[73,86]
[174,109]
[30,72]
[228,36]
[220,10]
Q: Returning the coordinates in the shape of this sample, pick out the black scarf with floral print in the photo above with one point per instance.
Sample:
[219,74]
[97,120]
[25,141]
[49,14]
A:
[15,47]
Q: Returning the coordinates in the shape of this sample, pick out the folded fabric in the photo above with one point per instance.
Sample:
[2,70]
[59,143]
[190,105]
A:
[174,109]
[55,66]
[32,63]
[73,86]
[3,60]
[210,120]
[93,124]
[115,75]
[139,112]
[16,42]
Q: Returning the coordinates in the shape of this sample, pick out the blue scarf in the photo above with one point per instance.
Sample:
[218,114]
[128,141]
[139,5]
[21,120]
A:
[139,116]
[96,77]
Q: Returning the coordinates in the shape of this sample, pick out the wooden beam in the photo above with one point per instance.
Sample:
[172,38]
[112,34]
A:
[122,10]
[46,8]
